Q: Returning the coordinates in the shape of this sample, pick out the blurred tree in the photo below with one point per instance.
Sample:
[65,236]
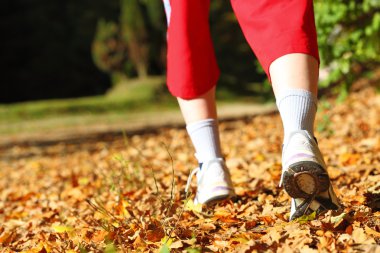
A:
[135,44]
[109,50]
[157,35]
[134,31]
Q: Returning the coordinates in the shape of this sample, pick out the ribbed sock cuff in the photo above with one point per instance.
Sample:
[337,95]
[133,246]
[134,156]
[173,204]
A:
[297,108]
[204,135]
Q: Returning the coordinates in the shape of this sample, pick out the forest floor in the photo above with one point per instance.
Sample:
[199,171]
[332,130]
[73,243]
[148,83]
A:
[126,194]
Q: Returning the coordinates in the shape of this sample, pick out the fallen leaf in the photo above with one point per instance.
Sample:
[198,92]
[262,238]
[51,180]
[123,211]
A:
[62,229]
[207,226]
[349,158]
[193,250]
[272,236]
[99,236]
[164,249]
[306,218]
[370,231]
[359,236]
[190,206]
[176,245]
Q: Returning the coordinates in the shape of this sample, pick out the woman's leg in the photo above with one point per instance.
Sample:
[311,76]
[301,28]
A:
[192,69]
[283,36]
[192,74]
[295,71]
[202,125]
[199,108]
[295,84]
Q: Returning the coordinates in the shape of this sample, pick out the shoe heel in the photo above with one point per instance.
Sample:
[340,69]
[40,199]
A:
[306,171]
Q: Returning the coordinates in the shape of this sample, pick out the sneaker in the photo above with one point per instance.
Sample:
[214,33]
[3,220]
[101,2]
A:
[213,182]
[305,178]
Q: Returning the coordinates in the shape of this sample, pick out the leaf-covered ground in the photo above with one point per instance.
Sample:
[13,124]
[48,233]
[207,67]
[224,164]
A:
[126,194]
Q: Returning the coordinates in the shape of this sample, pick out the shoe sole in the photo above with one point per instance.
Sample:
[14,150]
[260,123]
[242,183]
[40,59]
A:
[306,171]
[218,196]
[218,199]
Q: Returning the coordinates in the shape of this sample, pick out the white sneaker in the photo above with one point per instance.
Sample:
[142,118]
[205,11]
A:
[213,182]
[305,178]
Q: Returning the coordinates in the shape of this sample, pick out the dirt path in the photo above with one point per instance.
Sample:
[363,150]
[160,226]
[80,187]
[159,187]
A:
[126,195]
[136,123]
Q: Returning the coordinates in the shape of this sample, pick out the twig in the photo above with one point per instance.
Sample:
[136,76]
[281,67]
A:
[173,180]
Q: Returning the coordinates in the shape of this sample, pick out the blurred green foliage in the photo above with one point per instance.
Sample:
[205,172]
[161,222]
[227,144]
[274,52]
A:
[349,38]
[54,49]
[348,34]
[109,51]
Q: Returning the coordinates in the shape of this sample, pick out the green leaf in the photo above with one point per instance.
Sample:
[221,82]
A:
[336,219]
[110,248]
[166,242]
[193,250]
[164,249]
[343,94]
[82,249]
[305,218]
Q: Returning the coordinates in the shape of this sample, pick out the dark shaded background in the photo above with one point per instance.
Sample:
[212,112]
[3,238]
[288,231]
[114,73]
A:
[46,46]
[45,49]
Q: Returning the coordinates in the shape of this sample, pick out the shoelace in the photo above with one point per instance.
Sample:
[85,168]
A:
[302,208]
[324,204]
[193,172]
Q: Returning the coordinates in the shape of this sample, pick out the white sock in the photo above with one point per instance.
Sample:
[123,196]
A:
[205,137]
[297,108]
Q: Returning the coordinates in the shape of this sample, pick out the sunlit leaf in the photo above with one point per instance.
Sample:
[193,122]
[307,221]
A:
[164,249]
[190,206]
[305,218]
[110,248]
[62,229]
[193,250]
[339,218]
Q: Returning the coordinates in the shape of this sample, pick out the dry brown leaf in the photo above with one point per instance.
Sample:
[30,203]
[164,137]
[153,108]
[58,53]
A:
[42,186]
[207,227]
[272,236]
[370,231]
[99,235]
[349,158]
[176,245]
[359,236]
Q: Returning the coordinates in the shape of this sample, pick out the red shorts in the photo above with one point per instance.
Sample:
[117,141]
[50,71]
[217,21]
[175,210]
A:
[273,28]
